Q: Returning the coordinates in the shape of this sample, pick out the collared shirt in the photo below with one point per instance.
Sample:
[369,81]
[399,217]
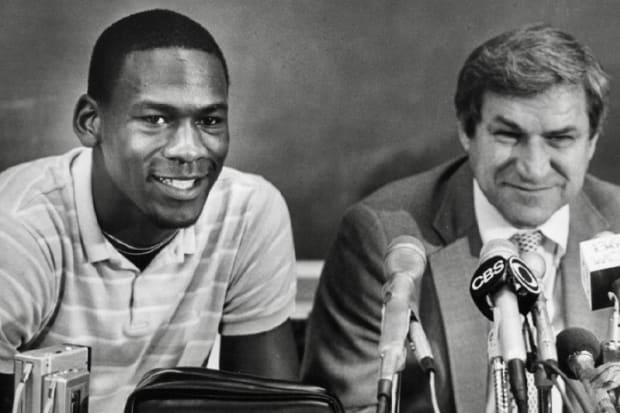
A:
[492,225]
[231,272]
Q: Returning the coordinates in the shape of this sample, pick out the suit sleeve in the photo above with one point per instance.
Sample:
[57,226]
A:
[341,352]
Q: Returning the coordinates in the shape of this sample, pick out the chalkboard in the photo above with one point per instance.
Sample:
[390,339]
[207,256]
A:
[329,99]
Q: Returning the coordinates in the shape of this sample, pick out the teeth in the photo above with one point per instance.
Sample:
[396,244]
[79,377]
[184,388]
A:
[178,183]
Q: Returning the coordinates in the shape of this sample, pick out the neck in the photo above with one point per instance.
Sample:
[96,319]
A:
[117,215]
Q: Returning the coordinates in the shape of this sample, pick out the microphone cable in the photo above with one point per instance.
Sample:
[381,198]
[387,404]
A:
[51,394]
[431,380]
[567,403]
[570,385]
[19,390]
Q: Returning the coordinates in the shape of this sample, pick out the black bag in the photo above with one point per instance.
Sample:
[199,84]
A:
[199,390]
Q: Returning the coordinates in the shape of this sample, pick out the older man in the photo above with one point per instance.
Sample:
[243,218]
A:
[530,105]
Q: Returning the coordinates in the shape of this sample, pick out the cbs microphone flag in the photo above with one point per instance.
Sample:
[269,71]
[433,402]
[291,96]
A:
[600,267]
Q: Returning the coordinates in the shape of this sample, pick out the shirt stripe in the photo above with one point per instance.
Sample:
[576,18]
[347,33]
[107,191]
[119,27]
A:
[232,271]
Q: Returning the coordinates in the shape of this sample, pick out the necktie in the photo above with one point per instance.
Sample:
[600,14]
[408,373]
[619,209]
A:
[529,242]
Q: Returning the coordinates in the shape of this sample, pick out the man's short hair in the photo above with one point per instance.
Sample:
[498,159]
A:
[151,29]
[527,61]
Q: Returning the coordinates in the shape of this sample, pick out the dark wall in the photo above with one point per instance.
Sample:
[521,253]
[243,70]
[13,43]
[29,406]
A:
[329,99]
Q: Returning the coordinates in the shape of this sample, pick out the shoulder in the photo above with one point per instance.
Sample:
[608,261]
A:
[237,189]
[37,200]
[234,180]
[411,204]
[239,196]
[416,190]
[41,183]
[605,197]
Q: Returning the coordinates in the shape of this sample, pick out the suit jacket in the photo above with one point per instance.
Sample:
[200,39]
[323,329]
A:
[343,333]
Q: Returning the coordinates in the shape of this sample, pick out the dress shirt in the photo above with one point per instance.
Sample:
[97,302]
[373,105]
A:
[492,225]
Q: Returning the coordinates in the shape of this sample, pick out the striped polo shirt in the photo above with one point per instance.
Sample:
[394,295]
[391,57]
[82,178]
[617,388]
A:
[231,272]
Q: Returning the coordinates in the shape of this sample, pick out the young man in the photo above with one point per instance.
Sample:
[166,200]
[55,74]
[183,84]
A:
[142,245]
[530,105]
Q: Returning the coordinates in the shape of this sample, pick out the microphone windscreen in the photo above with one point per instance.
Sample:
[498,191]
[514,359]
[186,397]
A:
[498,247]
[535,262]
[572,341]
[405,253]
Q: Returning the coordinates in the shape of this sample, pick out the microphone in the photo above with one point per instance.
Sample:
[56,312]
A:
[600,275]
[404,264]
[503,281]
[600,269]
[498,369]
[577,350]
[545,338]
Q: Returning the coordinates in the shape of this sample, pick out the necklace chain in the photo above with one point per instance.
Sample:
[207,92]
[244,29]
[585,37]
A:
[129,249]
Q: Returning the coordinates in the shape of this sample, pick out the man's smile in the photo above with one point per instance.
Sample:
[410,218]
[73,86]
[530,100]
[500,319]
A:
[179,183]
[181,188]
[529,188]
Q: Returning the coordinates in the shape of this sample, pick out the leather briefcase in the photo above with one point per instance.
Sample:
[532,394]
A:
[199,390]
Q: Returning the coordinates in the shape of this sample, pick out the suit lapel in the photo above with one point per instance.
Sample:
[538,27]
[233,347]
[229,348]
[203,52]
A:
[452,267]
[465,328]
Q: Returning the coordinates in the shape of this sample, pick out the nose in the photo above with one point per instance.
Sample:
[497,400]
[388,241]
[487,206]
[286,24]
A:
[185,144]
[533,160]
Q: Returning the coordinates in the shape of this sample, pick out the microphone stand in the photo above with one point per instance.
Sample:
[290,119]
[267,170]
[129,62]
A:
[541,379]
[544,385]
[611,346]
[395,402]
[498,368]
[500,388]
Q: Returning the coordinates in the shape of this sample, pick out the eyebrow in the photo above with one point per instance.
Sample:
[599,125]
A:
[513,125]
[506,122]
[164,107]
[563,131]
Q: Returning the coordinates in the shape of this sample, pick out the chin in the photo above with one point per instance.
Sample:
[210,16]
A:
[173,216]
[525,220]
[527,212]
[174,221]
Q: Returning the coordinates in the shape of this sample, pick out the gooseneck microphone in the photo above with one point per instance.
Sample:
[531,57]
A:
[545,337]
[578,349]
[504,285]
[404,264]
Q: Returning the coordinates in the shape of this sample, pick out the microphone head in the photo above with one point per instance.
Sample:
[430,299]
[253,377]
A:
[535,262]
[600,268]
[498,247]
[404,254]
[572,341]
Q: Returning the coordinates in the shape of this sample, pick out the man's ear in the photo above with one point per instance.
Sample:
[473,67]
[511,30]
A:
[463,138]
[87,121]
